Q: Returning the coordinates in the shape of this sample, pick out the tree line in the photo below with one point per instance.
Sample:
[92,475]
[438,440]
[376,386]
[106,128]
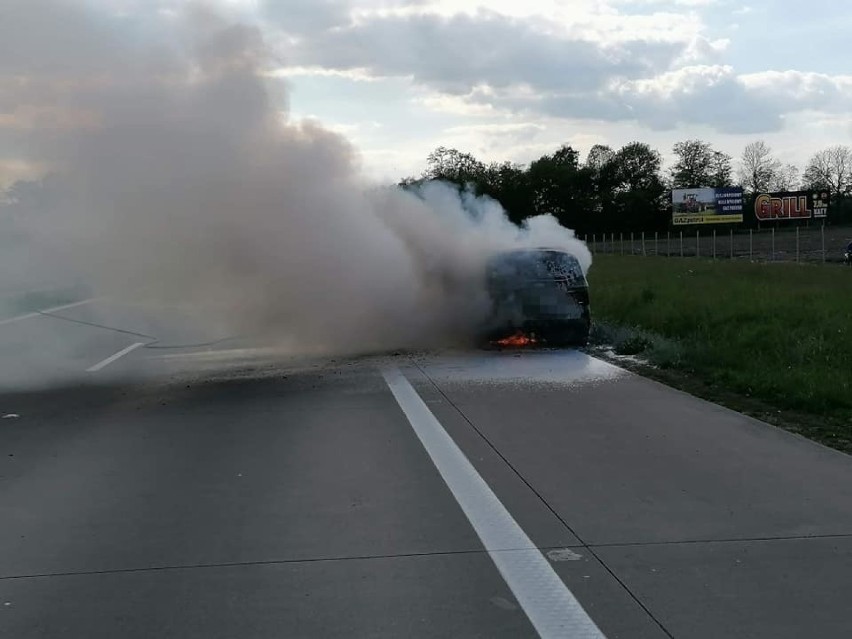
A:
[626,189]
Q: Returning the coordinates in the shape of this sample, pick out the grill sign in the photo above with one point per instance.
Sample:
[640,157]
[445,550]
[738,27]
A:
[791,205]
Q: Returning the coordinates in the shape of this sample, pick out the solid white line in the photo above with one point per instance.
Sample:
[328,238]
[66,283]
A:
[109,360]
[54,309]
[550,606]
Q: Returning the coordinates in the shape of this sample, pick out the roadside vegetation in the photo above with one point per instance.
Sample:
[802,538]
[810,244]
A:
[627,189]
[771,340]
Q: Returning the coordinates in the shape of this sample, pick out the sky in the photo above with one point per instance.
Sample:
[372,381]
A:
[504,80]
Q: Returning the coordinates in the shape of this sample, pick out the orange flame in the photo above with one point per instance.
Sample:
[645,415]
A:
[518,339]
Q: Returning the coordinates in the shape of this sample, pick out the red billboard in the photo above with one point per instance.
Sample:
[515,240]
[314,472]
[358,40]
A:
[791,205]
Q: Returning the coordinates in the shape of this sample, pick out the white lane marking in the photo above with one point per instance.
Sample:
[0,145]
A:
[109,360]
[54,309]
[550,606]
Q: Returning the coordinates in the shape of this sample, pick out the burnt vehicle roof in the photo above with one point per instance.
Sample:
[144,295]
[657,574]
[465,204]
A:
[537,264]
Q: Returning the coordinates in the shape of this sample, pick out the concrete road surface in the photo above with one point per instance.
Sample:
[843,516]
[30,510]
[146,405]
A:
[223,490]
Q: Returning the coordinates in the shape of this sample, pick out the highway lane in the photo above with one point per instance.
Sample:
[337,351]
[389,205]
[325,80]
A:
[54,345]
[722,526]
[229,491]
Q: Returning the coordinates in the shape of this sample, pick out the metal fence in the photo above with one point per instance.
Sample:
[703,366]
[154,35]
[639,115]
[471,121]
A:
[802,244]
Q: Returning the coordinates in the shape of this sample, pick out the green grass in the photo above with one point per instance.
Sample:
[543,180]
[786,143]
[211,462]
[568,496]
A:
[770,336]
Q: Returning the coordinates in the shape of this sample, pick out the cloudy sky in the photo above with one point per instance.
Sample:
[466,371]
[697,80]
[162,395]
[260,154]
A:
[512,80]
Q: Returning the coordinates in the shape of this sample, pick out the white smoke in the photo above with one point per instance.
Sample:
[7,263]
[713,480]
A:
[177,177]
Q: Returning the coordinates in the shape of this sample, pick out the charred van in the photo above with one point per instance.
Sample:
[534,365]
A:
[538,296]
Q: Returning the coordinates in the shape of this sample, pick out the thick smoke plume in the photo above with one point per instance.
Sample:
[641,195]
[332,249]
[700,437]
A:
[176,175]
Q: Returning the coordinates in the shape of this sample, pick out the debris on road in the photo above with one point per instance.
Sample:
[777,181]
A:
[563,554]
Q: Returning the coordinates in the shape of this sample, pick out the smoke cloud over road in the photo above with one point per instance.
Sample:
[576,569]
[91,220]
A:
[177,175]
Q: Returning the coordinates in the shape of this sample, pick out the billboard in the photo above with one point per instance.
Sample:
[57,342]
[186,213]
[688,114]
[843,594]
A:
[791,205]
[707,206]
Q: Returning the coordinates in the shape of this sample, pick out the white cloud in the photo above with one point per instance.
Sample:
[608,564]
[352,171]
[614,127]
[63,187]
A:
[357,75]
[471,71]
[686,80]
[659,70]
[459,105]
[672,3]
[458,53]
[797,88]
[599,60]
[503,129]
[651,66]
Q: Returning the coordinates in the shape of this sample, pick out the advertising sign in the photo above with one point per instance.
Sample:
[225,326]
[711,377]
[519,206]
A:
[707,206]
[791,205]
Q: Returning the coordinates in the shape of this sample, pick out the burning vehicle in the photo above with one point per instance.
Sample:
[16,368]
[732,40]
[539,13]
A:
[539,297]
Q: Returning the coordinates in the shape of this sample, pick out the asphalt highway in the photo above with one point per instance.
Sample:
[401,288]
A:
[196,486]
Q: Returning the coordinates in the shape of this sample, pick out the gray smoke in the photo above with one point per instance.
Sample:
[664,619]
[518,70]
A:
[177,176]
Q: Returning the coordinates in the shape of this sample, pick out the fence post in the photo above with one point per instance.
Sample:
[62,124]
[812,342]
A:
[732,243]
[612,242]
[750,246]
[593,244]
[822,232]
[668,243]
[632,250]
[697,245]
[656,245]
[772,255]
[714,244]
[643,243]
[797,243]
[621,237]
[681,243]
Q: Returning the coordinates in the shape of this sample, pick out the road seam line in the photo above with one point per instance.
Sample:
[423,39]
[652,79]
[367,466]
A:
[54,309]
[95,325]
[263,562]
[584,544]
[312,560]
[109,360]
[725,540]
[548,603]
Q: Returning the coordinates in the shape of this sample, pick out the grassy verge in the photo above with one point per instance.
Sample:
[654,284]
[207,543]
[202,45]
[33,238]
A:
[771,340]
